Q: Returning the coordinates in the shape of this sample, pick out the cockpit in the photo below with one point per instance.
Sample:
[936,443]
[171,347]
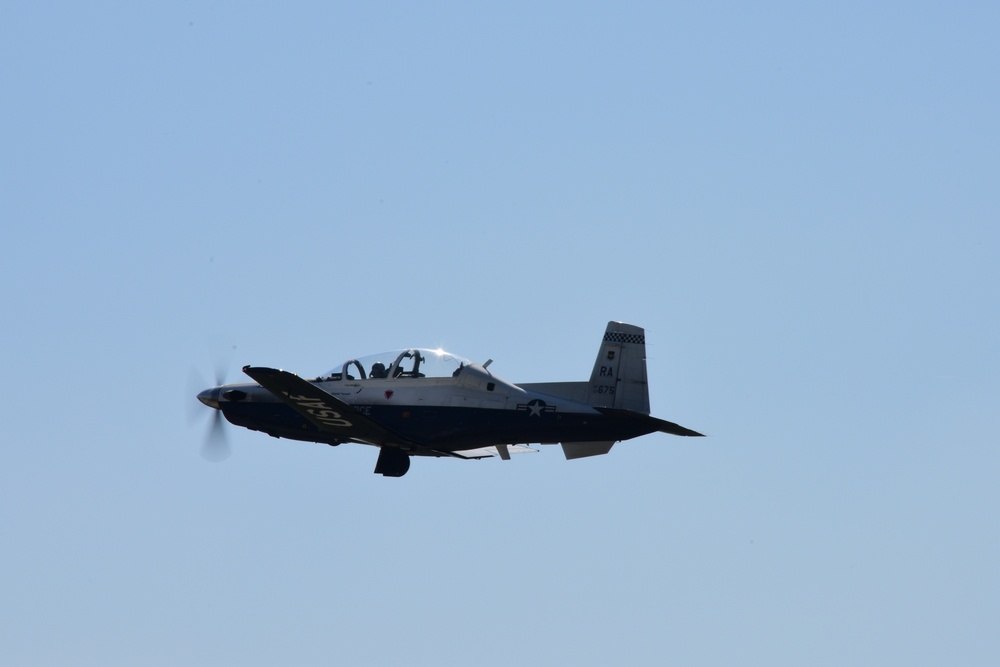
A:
[400,364]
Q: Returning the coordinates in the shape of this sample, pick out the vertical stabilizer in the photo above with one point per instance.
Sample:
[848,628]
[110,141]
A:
[619,377]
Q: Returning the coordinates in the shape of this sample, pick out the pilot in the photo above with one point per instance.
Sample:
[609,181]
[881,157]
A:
[378,370]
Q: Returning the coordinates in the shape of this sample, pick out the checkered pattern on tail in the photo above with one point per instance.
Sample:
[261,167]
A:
[621,337]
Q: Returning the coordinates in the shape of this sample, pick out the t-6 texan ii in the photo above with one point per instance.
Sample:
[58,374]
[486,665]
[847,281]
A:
[421,402]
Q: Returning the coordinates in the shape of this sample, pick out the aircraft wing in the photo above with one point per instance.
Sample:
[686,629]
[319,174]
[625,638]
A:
[486,452]
[325,411]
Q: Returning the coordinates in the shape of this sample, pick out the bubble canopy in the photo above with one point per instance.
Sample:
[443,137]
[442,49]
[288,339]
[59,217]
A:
[409,363]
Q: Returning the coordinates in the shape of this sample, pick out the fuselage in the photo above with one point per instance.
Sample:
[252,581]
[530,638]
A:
[471,409]
[422,402]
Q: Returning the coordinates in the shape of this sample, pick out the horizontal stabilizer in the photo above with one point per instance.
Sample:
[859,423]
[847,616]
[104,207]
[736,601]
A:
[652,423]
[579,450]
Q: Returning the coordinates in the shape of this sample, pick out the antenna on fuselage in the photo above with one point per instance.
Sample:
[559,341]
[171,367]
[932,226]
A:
[487,364]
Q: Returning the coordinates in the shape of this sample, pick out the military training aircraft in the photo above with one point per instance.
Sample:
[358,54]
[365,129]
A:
[421,402]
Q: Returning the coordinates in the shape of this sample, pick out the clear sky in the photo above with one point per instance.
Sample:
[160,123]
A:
[799,203]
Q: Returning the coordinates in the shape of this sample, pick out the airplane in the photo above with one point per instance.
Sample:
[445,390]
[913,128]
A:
[424,402]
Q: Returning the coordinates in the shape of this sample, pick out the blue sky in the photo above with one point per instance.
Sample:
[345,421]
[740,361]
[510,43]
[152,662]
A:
[799,204]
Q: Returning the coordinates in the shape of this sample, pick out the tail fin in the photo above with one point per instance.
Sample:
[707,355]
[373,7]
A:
[619,377]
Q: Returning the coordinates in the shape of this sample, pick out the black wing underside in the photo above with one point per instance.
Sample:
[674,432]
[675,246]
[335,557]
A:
[325,411]
[332,415]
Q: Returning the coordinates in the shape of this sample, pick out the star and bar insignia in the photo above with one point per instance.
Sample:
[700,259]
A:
[536,407]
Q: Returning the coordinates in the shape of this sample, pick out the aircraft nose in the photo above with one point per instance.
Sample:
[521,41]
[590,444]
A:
[210,397]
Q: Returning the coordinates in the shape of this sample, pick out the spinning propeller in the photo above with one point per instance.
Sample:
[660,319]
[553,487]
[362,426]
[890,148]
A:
[215,446]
